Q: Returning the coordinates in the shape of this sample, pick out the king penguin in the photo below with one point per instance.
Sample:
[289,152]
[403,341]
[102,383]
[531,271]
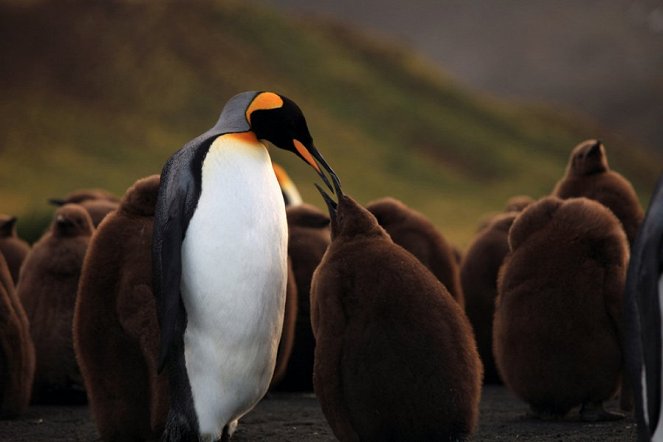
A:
[220,263]
[643,319]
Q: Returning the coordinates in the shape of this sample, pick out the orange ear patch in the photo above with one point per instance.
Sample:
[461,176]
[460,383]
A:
[264,101]
[303,151]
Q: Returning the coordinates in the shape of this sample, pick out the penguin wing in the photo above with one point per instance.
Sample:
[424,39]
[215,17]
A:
[177,199]
[643,315]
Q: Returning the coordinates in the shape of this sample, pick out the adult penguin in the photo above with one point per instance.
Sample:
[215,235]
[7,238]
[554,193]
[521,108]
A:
[220,263]
[643,313]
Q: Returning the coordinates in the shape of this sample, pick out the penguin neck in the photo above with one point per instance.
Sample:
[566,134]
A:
[233,117]
[235,147]
[238,165]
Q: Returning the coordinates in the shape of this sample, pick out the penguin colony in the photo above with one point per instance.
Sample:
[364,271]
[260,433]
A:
[193,302]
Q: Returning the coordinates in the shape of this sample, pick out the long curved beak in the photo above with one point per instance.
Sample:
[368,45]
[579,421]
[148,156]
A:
[311,155]
[331,204]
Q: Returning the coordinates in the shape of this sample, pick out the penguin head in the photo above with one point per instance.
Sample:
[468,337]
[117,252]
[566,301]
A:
[277,119]
[71,220]
[81,195]
[141,198]
[518,203]
[7,226]
[388,211]
[588,158]
[348,218]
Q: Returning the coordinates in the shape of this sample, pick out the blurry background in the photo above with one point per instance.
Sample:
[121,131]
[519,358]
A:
[452,106]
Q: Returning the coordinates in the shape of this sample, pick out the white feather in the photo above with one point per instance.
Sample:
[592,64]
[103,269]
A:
[234,259]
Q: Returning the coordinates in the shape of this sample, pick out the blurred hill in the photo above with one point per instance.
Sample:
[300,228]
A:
[600,57]
[98,94]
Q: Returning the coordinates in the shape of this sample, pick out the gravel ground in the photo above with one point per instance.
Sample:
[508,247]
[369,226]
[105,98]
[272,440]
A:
[297,417]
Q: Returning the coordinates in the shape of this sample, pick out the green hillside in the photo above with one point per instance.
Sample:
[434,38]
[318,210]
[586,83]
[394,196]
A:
[98,94]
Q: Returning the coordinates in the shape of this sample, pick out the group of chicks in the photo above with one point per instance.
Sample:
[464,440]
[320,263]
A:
[396,336]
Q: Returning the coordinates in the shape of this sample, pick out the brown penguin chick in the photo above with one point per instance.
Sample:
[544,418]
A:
[17,354]
[81,195]
[116,333]
[395,358]
[308,238]
[478,275]
[416,234]
[12,247]
[589,175]
[287,341]
[98,209]
[47,288]
[557,326]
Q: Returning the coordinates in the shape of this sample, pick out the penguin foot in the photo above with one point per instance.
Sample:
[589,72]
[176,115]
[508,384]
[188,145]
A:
[594,412]
[228,431]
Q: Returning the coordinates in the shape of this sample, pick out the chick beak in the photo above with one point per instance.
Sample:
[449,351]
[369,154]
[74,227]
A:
[311,155]
[595,149]
[331,204]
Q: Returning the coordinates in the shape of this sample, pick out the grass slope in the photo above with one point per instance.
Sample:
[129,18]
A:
[98,94]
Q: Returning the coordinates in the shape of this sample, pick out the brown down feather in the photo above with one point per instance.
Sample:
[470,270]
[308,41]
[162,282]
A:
[395,357]
[557,325]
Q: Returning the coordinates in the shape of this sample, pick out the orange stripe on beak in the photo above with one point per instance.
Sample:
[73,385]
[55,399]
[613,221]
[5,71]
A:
[303,151]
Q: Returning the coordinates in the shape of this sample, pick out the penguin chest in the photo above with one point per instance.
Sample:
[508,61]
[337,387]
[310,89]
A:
[234,258]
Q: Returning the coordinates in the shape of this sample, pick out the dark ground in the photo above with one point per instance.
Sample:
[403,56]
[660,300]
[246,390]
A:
[288,417]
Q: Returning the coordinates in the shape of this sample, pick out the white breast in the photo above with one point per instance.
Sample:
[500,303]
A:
[234,274]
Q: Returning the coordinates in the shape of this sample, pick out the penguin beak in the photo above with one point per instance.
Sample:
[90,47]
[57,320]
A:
[311,155]
[595,149]
[331,204]
[56,201]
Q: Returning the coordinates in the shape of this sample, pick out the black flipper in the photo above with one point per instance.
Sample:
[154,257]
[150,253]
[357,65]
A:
[182,423]
[642,317]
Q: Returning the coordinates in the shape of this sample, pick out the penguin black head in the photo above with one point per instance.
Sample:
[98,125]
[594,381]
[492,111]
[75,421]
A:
[588,157]
[277,119]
